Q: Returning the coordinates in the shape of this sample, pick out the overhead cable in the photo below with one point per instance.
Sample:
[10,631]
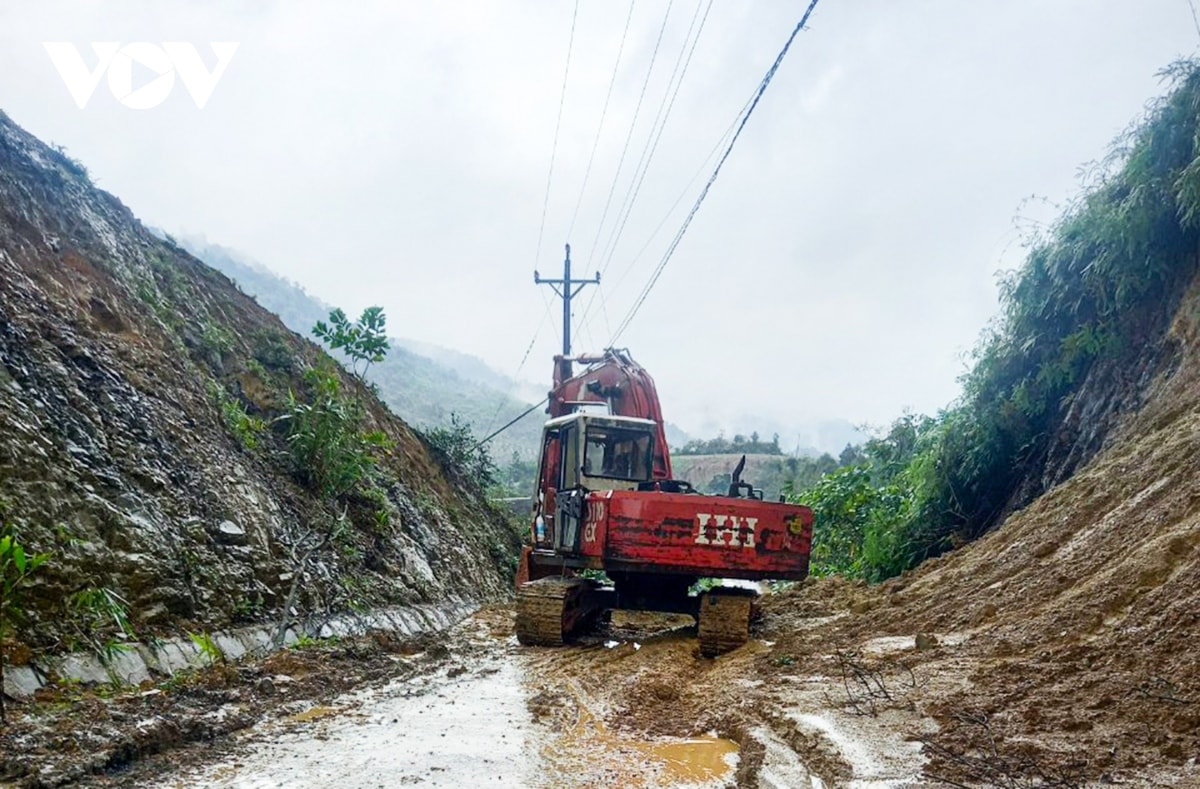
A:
[766,81]
[628,137]
[603,114]
[682,62]
[656,132]
[562,99]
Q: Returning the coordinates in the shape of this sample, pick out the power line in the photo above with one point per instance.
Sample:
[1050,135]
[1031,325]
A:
[656,131]
[699,200]
[712,179]
[528,349]
[652,140]
[524,358]
[632,126]
[562,99]
[514,420]
[604,312]
[712,153]
[603,113]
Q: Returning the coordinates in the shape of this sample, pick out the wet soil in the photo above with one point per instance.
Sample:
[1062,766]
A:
[841,685]
[632,704]
[104,736]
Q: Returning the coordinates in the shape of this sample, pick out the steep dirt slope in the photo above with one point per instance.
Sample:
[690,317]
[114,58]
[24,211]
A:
[1070,635]
[121,360]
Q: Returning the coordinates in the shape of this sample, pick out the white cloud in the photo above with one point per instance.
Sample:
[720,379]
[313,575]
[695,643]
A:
[397,153]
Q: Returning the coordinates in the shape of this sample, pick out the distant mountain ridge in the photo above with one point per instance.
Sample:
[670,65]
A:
[472,368]
[423,383]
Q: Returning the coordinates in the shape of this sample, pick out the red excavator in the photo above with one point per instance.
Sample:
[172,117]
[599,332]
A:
[606,501]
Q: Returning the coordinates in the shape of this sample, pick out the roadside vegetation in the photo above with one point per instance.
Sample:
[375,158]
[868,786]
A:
[739,444]
[17,568]
[1092,294]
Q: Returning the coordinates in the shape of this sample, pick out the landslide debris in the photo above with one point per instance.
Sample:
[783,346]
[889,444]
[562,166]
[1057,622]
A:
[1061,646]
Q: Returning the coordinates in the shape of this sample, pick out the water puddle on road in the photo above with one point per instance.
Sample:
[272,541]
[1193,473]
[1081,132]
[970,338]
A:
[313,714]
[591,755]
[697,761]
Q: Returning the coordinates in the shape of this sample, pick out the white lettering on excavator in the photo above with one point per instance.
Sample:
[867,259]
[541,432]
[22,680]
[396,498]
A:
[595,515]
[727,530]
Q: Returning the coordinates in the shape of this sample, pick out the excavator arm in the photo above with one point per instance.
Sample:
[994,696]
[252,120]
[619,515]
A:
[613,379]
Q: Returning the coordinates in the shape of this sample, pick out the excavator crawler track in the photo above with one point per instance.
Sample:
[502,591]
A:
[549,610]
[724,620]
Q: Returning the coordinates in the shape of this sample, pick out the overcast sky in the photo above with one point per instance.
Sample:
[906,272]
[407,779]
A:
[397,153]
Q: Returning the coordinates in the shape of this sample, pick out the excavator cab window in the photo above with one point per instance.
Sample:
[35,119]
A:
[618,453]
[570,452]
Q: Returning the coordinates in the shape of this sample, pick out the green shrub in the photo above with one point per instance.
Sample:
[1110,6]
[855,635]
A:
[330,452]
[461,455]
[271,350]
[245,428]
[210,652]
[215,343]
[100,619]
[17,566]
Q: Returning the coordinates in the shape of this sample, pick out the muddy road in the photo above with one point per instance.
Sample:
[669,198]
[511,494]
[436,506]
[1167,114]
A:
[841,685]
[630,705]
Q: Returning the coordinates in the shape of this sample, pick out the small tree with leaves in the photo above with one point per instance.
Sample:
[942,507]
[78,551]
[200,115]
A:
[16,567]
[364,341]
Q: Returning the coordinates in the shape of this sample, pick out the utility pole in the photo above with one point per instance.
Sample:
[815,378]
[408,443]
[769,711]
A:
[566,291]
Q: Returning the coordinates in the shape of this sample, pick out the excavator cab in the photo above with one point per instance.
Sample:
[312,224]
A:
[587,452]
[617,453]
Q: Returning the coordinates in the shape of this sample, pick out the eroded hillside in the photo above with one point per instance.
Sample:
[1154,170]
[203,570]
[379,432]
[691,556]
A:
[1062,645]
[144,436]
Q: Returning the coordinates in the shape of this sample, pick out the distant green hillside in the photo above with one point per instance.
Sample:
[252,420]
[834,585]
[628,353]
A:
[420,390]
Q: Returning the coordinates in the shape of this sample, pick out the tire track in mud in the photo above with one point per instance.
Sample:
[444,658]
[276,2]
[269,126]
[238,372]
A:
[609,701]
[631,706]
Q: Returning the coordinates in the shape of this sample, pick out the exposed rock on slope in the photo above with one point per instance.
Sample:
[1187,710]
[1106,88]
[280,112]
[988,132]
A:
[124,363]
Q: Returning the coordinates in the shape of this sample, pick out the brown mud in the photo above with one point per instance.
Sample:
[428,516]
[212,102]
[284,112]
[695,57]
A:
[106,736]
[841,685]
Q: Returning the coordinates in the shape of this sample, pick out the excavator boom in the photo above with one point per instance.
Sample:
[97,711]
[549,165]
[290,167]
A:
[613,379]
